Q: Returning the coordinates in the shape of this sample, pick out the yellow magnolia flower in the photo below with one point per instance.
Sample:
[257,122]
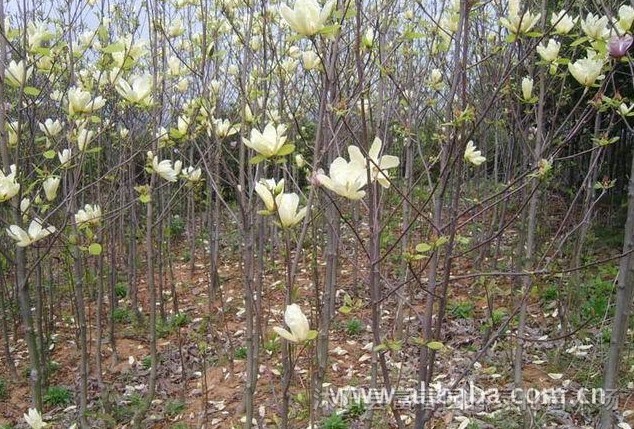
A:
[89,215]
[517,24]
[472,155]
[35,232]
[9,187]
[164,168]
[192,174]
[345,178]
[34,419]
[80,101]
[527,88]
[138,91]
[287,209]
[378,165]
[595,27]
[267,189]
[51,128]
[562,22]
[587,70]
[550,52]
[268,143]
[297,322]
[307,17]
[50,185]
[18,73]
[64,157]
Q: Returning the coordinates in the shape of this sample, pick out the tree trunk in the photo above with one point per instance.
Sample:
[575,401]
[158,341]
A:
[624,292]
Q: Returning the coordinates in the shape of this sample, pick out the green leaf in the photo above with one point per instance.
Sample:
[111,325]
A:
[286,150]
[29,90]
[380,347]
[423,247]
[256,159]
[312,334]
[114,47]
[145,198]
[579,41]
[49,154]
[434,345]
[394,346]
[411,35]
[441,241]
[95,249]
[345,309]
[330,31]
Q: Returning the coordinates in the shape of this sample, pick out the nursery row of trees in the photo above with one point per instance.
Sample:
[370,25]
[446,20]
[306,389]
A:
[428,145]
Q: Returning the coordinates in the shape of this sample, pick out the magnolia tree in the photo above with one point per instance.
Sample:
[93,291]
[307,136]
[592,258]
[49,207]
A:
[374,159]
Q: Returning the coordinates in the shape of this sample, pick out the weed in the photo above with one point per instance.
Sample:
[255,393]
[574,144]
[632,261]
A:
[354,327]
[146,362]
[240,353]
[175,407]
[461,310]
[4,391]
[334,421]
[121,290]
[356,410]
[176,227]
[179,320]
[58,396]
[121,315]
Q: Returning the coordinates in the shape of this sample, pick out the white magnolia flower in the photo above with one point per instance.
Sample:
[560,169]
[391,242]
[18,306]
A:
[595,27]
[287,209]
[34,419]
[307,17]
[378,166]
[51,128]
[562,22]
[164,168]
[527,88]
[345,178]
[35,232]
[269,142]
[89,215]
[138,91]
[9,187]
[80,101]
[550,52]
[192,174]
[472,155]
[587,70]
[18,73]
[297,322]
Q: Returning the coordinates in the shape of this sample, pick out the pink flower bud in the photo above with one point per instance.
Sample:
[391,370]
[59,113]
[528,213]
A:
[619,45]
